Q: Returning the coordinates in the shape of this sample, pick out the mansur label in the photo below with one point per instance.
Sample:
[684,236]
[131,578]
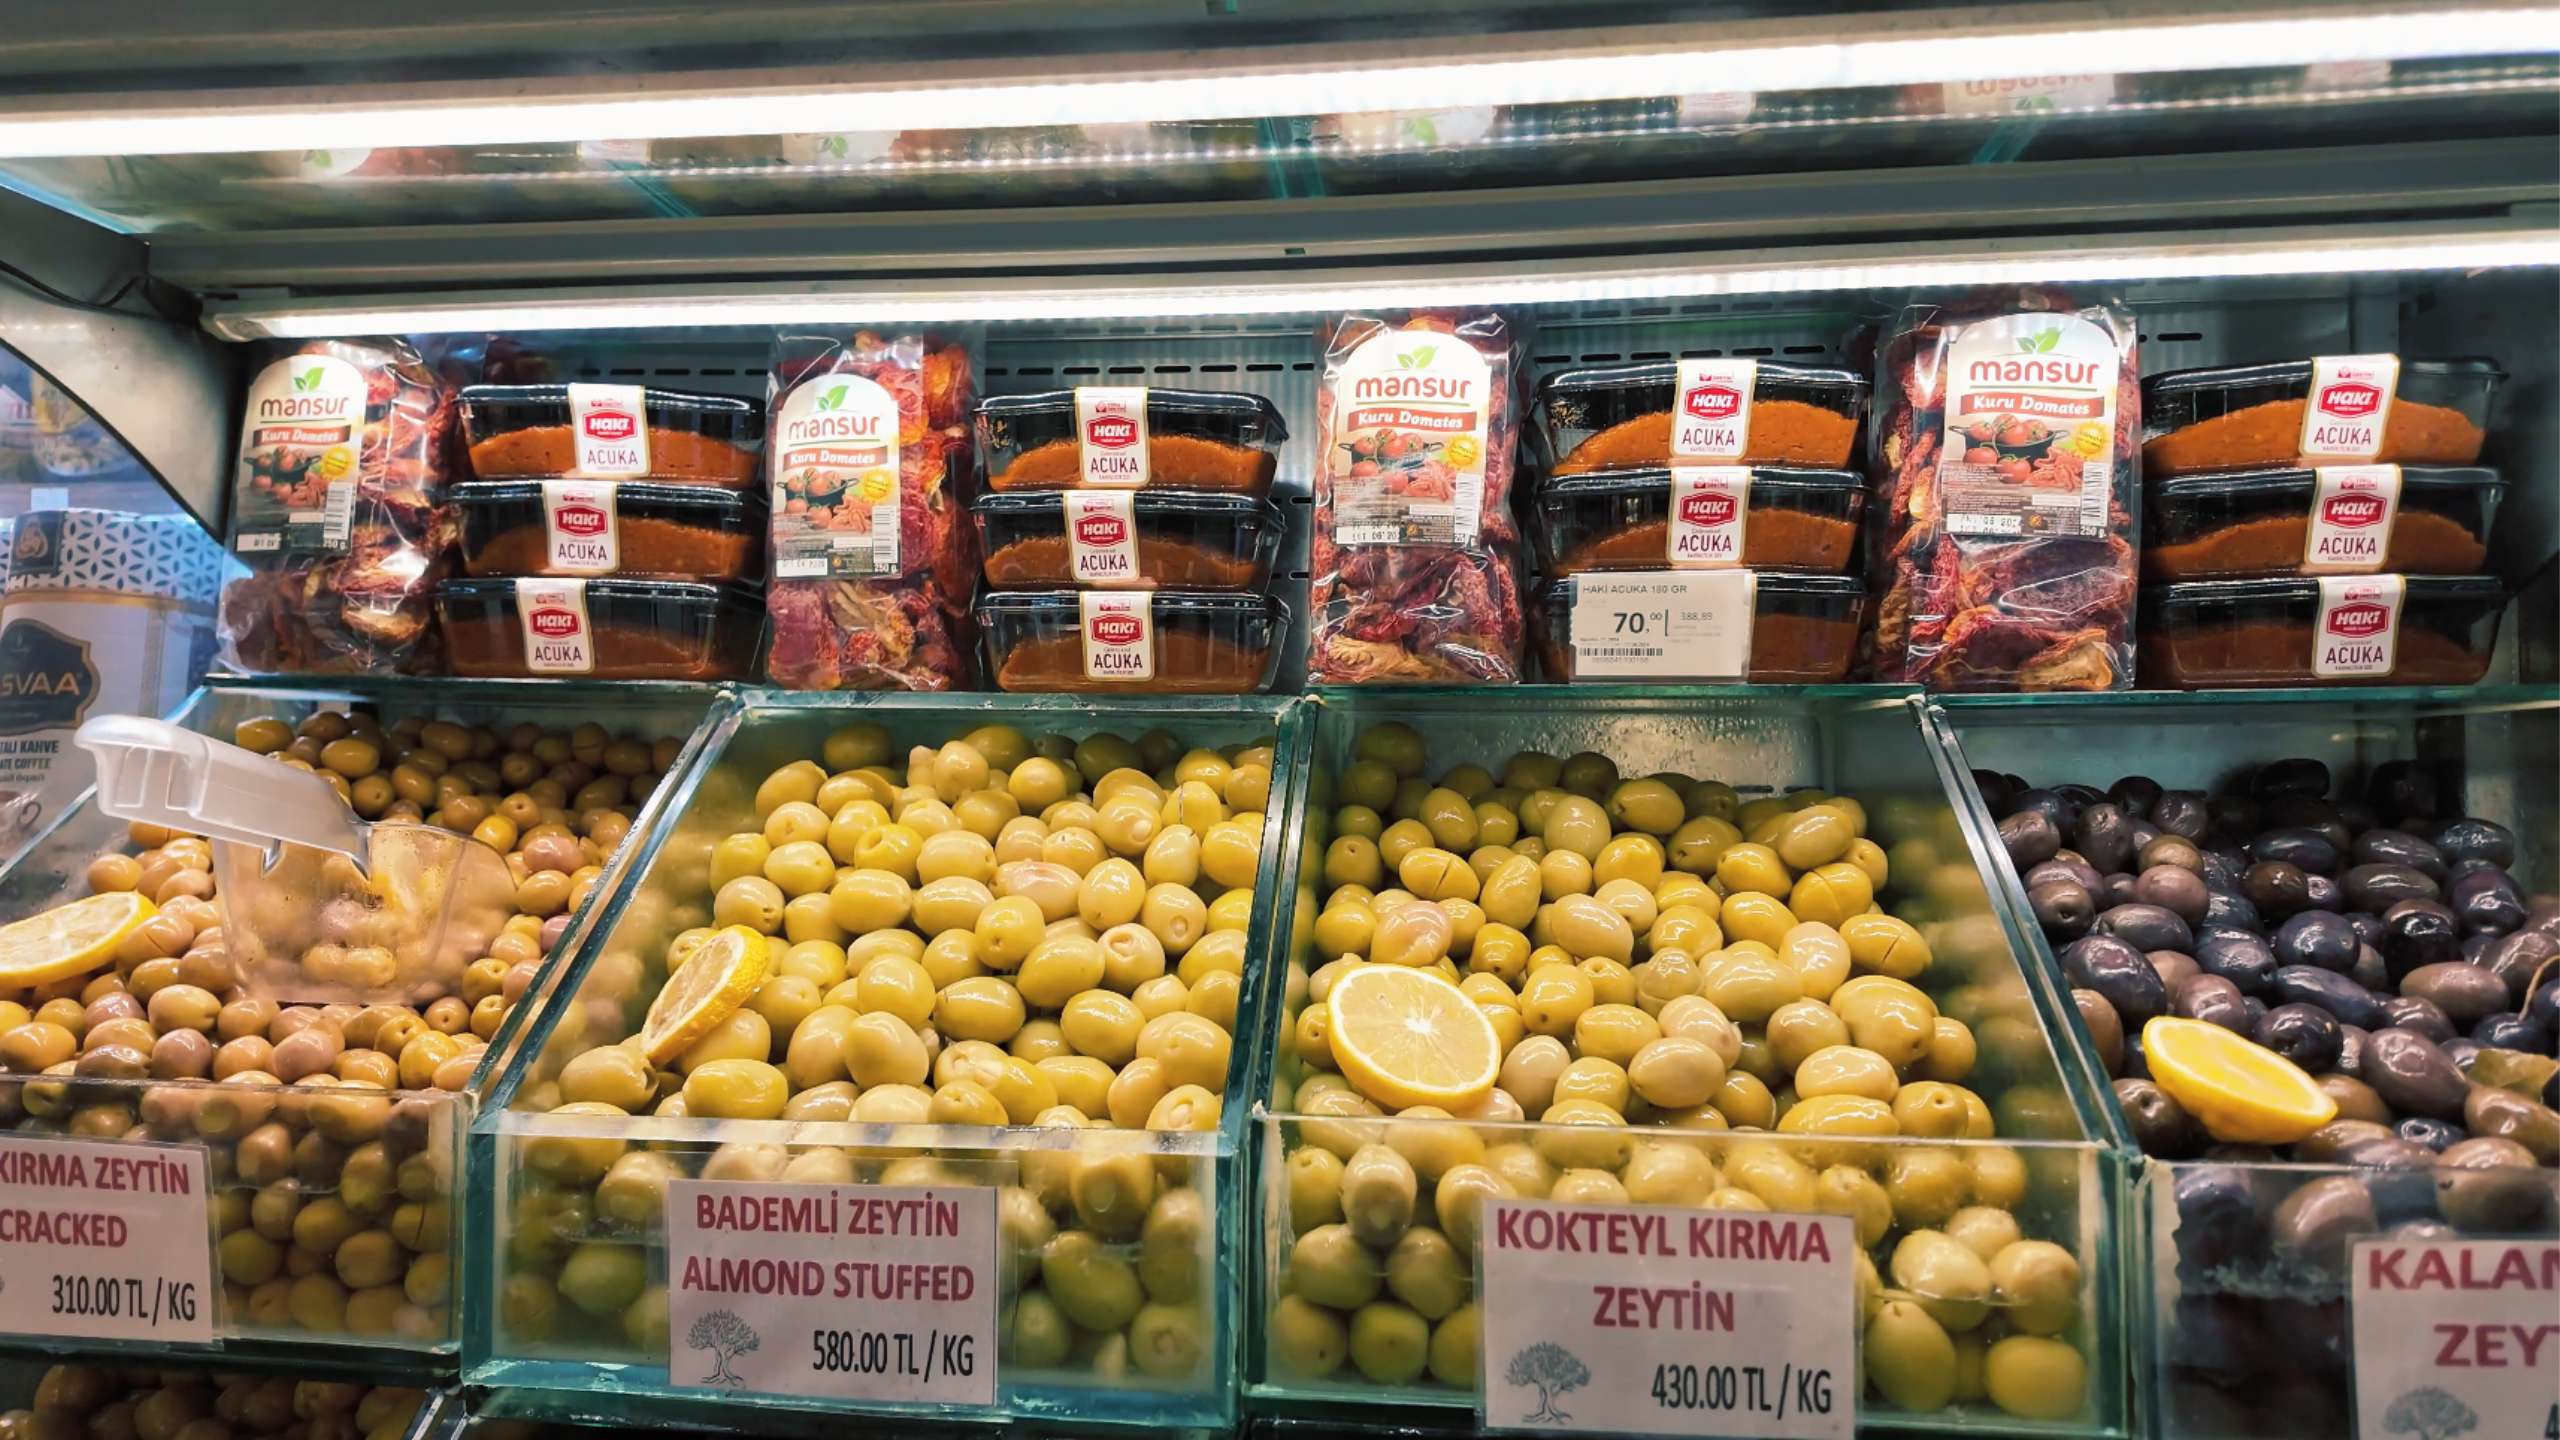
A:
[848,1292]
[1709,506]
[1102,536]
[2027,94]
[2352,507]
[2456,1337]
[578,519]
[1119,636]
[1111,435]
[557,638]
[835,487]
[1652,626]
[1407,452]
[105,1240]
[2031,417]
[2349,405]
[2358,629]
[301,448]
[1640,1320]
[1711,416]
[610,429]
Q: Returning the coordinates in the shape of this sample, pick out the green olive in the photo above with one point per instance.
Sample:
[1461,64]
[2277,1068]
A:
[2035,1377]
[1038,1333]
[1909,1358]
[1426,1272]
[1329,1266]
[1093,1287]
[1389,1342]
[1945,1276]
[1307,1340]
[1378,1192]
[1455,1342]
[2036,1284]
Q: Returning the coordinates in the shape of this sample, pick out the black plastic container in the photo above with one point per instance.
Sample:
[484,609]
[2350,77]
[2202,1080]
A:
[1197,440]
[1206,642]
[1184,540]
[694,438]
[682,532]
[635,629]
[1572,408]
[2247,634]
[1621,520]
[2442,527]
[2179,399]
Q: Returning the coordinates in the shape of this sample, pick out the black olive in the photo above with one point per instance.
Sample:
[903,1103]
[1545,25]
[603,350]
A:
[2030,838]
[2370,971]
[2215,1001]
[2062,908]
[2379,886]
[2322,892]
[2105,1027]
[2233,814]
[2117,891]
[2231,908]
[2218,1214]
[2052,805]
[2102,837]
[2144,832]
[2413,1074]
[2462,1052]
[2401,791]
[2368,926]
[2471,838]
[2175,850]
[2456,869]
[2177,891]
[2304,1034]
[2493,1183]
[2174,968]
[2307,849]
[2476,945]
[2081,795]
[2544,1008]
[2226,855]
[2334,1142]
[2487,900]
[2057,869]
[2351,1050]
[2145,927]
[2354,815]
[2317,937]
[2179,812]
[2416,933]
[2159,1125]
[2295,776]
[2239,957]
[2137,1066]
[1993,786]
[2466,993]
[2354,1098]
[2398,847]
[2508,1030]
[2433,1134]
[2134,794]
[2315,1224]
[2119,972]
[2318,817]
[2514,959]
[2410,1012]
[2545,919]
[2276,887]
[2350,1002]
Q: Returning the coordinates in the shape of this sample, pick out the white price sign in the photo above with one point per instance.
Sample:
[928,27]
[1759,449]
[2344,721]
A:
[2457,1337]
[1640,1320]
[1649,625]
[844,1292]
[105,1240]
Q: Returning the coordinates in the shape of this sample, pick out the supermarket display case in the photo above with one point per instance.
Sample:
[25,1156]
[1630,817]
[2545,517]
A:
[545,1349]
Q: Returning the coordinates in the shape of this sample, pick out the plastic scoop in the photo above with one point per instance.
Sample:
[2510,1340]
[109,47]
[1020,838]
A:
[318,906]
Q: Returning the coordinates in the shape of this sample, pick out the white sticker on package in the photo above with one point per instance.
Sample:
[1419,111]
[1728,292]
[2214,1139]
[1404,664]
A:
[2456,1337]
[2358,629]
[1646,1320]
[1111,436]
[105,1241]
[2028,94]
[609,426]
[1710,505]
[557,637]
[1711,415]
[1119,636]
[1102,536]
[578,522]
[1689,625]
[2349,406]
[2352,508]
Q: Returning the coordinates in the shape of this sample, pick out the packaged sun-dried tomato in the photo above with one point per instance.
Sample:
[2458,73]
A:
[868,451]
[2006,456]
[1416,574]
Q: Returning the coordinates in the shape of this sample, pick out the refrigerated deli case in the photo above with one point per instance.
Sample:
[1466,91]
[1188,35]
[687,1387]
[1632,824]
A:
[1938,667]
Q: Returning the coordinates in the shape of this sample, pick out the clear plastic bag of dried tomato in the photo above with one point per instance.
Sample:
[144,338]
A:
[2006,457]
[1416,564]
[339,512]
[868,452]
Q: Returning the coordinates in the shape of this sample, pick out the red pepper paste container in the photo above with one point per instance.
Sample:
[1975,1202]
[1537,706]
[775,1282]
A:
[612,432]
[1146,539]
[604,527]
[1165,642]
[2335,520]
[601,629]
[1765,517]
[1131,437]
[2376,409]
[2320,630]
[1733,412]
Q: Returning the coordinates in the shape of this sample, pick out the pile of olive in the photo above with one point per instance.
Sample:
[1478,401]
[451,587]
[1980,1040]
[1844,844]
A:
[1656,952]
[328,1133]
[2380,946]
[995,932]
[84,1402]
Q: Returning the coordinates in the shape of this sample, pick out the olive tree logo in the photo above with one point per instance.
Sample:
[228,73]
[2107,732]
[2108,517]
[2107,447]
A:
[727,1337]
[2429,1414]
[1554,1370]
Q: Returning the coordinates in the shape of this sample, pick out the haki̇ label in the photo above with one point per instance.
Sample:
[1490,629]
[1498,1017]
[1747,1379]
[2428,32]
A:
[2456,1337]
[609,429]
[578,521]
[1710,504]
[1640,1320]
[2349,405]
[106,1241]
[2357,630]
[557,637]
[1711,418]
[2352,507]
[1102,535]
[1119,635]
[846,1292]
[1111,435]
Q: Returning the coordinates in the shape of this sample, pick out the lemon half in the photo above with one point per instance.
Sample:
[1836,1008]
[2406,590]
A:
[1407,1037]
[2240,1091]
[706,989]
[69,940]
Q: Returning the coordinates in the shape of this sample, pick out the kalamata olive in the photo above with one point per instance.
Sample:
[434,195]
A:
[2174,967]
[2350,1002]
[2351,1040]
[2545,918]
[2231,908]
[2030,838]
[2053,805]
[2489,1110]
[2063,909]
[2317,937]
[2137,1066]
[2239,957]
[2315,1223]
[2476,945]
[2471,838]
[2323,892]
[2118,971]
[2335,1142]
[2465,993]
[2455,870]
[2378,887]
[2508,1030]
[2254,1010]
[2418,933]
[2407,1194]
[2294,775]
[2410,1012]
[2079,794]
[2215,1001]
[2231,814]
[2179,812]
[2400,791]
[2134,794]
[2397,847]
[2486,900]
[2368,927]
[2159,1125]
[2489,1183]
[2514,959]
[2275,887]
[2115,890]
[2146,927]
[2218,1215]
[1997,794]
[2462,1051]
[2354,815]
[2418,1230]
[2304,1034]
[2369,970]
[2425,1130]
[2544,1008]
[2175,850]
[2077,872]
[2413,1074]
[2145,833]
[2354,1098]
[2175,890]
[2103,837]
[2106,1029]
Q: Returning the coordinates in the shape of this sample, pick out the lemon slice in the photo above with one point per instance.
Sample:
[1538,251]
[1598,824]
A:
[69,940]
[2241,1092]
[1408,1037]
[706,989]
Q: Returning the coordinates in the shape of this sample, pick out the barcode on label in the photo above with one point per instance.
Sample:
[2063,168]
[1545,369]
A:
[337,520]
[1984,524]
[801,568]
[1621,652]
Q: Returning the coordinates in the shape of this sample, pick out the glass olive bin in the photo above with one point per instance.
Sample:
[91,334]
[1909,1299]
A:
[1644,802]
[335,1156]
[2237,1285]
[1010,939]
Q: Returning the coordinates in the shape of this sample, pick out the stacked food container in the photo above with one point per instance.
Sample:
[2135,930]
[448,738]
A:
[615,531]
[1129,539]
[1696,520]
[2319,522]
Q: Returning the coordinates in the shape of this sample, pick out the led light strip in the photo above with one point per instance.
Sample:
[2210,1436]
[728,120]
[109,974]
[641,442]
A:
[997,300]
[204,125]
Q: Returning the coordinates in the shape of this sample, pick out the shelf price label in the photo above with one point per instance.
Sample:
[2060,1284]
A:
[1642,1320]
[105,1240]
[2456,1337]
[839,1292]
